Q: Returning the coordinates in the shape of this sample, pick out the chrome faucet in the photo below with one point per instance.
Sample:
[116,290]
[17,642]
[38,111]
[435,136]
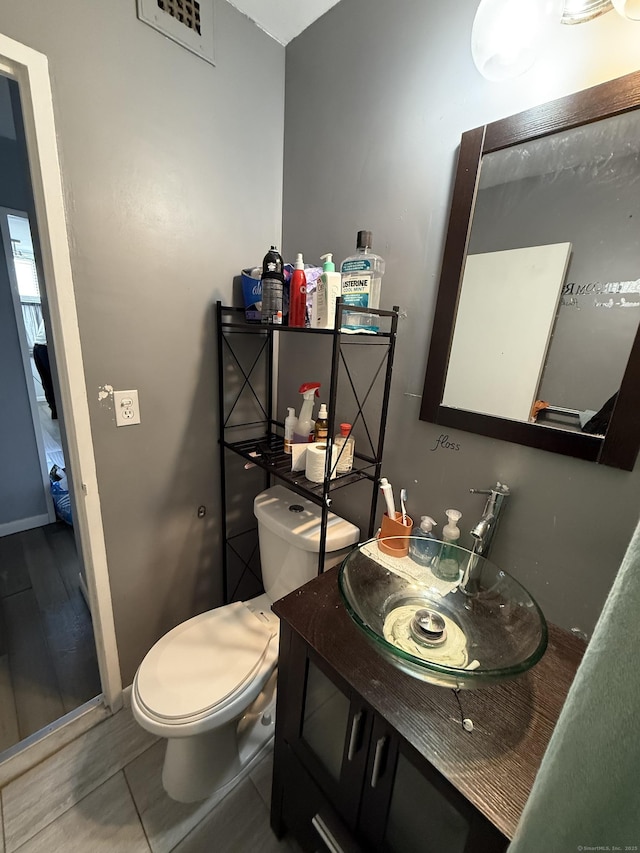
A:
[485,529]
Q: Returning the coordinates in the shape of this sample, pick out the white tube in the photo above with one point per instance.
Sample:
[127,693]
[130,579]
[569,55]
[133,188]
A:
[387,491]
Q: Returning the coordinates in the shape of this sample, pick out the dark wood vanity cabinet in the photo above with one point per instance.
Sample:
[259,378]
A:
[348,781]
[370,759]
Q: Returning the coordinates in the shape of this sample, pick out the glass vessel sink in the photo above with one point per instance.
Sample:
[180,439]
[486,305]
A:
[459,621]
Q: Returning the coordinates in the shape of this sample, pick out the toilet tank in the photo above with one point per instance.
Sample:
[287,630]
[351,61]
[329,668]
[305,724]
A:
[289,535]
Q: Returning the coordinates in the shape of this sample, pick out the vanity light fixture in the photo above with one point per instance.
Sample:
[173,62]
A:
[507,34]
[629,9]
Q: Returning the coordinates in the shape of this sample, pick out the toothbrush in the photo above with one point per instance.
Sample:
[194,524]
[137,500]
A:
[387,491]
[403,498]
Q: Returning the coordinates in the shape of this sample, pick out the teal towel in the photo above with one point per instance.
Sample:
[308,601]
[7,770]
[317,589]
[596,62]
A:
[586,795]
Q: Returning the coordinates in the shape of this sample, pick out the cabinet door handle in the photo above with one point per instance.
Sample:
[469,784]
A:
[321,828]
[355,735]
[377,761]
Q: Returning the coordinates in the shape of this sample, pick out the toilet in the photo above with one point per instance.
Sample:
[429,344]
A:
[208,686]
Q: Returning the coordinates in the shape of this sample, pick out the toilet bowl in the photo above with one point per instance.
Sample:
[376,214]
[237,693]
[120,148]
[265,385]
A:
[208,686]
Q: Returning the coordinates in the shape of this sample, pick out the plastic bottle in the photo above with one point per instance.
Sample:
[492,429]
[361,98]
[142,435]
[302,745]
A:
[298,295]
[272,287]
[345,443]
[289,427]
[423,546]
[361,284]
[321,429]
[309,391]
[447,566]
[328,289]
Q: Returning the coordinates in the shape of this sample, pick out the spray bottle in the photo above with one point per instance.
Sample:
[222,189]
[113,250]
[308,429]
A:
[309,391]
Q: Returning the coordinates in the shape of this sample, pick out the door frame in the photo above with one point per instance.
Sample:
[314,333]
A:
[26,366]
[30,69]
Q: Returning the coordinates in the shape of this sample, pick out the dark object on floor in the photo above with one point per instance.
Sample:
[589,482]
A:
[60,494]
[600,421]
[41,359]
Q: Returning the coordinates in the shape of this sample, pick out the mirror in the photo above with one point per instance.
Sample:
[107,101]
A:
[535,336]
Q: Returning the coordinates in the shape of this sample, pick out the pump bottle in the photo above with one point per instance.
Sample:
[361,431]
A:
[447,566]
[322,424]
[423,546]
[298,295]
[309,391]
[289,427]
[329,288]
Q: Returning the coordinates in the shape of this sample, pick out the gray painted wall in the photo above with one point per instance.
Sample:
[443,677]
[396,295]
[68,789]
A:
[377,97]
[172,171]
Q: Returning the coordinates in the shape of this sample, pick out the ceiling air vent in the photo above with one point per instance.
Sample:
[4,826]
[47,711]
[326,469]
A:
[187,22]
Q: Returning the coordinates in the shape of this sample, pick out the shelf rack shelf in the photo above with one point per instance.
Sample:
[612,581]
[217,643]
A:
[263,447]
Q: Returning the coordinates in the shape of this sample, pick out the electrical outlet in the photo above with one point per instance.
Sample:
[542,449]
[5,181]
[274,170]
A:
[127,408]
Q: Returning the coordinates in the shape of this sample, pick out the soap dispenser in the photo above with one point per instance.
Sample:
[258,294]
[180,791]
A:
[423,546]
[446,566]
[328,289]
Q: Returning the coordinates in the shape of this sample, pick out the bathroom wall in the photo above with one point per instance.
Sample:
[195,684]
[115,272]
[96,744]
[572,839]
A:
[377,96]
[172,172]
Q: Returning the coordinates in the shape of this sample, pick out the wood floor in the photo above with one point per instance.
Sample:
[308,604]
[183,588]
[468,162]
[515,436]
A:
[48,662]
[103,793]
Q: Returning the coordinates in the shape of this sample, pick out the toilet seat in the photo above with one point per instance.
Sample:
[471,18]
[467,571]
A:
[204,665]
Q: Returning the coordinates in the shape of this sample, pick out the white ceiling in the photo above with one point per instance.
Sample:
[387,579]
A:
[283,19]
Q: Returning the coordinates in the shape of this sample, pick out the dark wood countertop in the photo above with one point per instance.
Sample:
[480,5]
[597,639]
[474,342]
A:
[494,765]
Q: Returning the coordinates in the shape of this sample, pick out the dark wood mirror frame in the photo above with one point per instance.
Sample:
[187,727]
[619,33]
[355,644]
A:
[619,448]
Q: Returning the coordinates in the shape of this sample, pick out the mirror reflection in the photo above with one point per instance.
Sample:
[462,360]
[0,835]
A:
[550,296]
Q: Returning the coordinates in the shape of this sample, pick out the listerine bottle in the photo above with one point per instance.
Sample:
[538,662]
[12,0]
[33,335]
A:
[361,283]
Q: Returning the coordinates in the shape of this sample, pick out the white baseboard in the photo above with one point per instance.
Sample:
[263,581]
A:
[24,524]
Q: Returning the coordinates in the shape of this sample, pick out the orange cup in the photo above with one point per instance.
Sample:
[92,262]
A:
[392,539]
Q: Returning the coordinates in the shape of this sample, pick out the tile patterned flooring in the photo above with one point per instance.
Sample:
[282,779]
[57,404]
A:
[103,792]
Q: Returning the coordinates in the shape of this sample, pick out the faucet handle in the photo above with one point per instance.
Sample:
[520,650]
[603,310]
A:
[498,489]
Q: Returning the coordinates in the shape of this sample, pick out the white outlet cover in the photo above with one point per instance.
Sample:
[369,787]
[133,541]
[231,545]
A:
[126,407]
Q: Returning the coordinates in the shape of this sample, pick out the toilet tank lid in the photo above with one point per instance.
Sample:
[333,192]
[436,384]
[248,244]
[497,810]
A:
[297,520]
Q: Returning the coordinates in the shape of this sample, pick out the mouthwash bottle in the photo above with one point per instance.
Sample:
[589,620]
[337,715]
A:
[361,283]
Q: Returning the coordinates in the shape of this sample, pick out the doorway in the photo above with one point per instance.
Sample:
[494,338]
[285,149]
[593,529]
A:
[57,664]
[48,662]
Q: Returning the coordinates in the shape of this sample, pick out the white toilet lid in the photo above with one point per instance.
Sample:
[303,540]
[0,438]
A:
[202,662]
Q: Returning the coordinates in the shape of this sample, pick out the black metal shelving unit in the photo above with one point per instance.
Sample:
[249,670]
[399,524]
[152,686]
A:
[265,446]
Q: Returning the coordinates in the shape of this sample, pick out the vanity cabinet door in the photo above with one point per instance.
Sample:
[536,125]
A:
[330,733]
[407,806]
